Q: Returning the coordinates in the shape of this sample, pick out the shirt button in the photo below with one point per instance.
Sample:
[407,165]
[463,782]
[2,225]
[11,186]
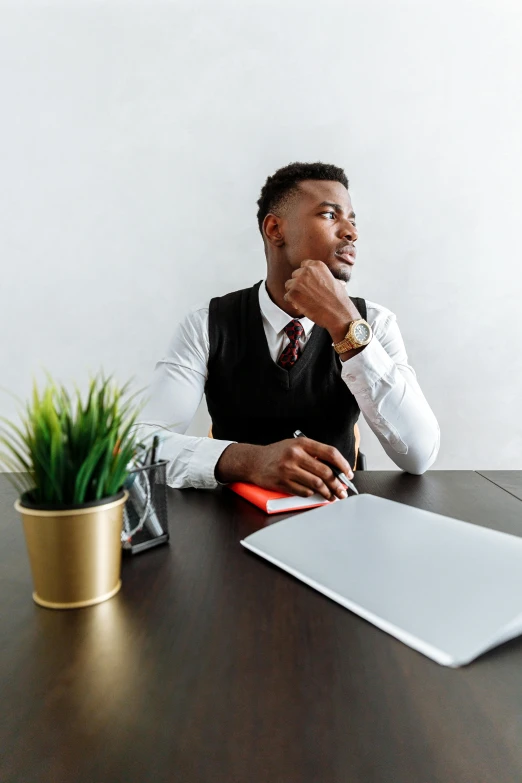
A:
[351,377]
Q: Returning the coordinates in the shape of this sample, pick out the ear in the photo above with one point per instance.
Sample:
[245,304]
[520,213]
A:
[272,230]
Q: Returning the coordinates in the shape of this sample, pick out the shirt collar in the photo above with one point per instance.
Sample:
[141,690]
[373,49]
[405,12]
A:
[276,317]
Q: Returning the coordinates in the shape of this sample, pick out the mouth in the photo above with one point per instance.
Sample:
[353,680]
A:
[347,254]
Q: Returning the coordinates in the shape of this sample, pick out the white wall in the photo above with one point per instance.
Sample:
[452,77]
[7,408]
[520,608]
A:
[134,140]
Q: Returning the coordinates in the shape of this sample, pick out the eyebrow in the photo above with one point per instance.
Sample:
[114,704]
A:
[337,207]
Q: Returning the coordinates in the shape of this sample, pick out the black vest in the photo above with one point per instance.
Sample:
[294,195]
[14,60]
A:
[252,400]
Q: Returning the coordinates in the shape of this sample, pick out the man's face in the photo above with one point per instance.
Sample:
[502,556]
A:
[319,224]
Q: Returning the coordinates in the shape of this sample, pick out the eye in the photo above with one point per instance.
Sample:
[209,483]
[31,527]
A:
[329,213]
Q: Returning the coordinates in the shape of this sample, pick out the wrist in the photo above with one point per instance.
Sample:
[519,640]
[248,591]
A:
[340,325]
[338,331]
[338,334]
[236,463]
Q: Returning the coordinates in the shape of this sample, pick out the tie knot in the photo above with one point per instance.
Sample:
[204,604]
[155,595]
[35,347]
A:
[294,330]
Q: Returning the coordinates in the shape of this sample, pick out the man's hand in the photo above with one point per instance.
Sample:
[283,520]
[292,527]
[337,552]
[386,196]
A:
[291,466]
[314,292]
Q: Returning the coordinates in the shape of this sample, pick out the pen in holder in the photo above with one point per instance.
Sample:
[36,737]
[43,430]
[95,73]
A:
[145,521]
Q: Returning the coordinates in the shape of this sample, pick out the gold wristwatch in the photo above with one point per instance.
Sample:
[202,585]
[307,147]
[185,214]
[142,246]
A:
[359,333]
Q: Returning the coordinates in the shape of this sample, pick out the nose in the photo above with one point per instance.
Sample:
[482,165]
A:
[348,230]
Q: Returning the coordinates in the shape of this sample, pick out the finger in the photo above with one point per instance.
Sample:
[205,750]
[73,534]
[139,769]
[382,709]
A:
[312,481]
[306,492]
[297,272]
[288,298]
[325,473]
[298,489]
[327,454]
[310,262]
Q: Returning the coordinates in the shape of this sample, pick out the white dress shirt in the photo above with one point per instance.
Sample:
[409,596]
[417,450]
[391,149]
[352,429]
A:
[379,377]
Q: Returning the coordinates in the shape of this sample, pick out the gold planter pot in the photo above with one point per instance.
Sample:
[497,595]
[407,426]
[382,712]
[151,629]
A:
[75,554]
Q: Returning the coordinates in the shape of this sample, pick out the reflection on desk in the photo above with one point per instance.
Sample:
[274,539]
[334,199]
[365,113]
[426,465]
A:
[211,665]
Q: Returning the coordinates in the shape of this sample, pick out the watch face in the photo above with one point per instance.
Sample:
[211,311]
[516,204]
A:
[361,333]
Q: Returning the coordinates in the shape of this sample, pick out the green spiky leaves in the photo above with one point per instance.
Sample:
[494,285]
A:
[72,450]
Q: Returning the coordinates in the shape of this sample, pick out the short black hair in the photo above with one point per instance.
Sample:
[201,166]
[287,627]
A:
[285,182]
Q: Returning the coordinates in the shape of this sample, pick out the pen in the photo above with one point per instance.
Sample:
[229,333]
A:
[155,444]
[340,475]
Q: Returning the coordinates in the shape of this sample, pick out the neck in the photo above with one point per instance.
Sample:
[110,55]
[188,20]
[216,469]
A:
[276,277]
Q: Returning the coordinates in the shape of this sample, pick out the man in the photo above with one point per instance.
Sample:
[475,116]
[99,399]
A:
[292,352]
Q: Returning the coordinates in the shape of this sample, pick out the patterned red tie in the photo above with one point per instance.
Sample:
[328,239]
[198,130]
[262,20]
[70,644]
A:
[292,352]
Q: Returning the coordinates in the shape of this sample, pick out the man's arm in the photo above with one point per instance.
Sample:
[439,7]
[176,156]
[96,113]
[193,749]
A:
[177,387]
[291,465]
[390,398]
[176,390]
[378,374]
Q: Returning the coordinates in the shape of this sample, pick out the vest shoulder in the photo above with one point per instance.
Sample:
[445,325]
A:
[233,299]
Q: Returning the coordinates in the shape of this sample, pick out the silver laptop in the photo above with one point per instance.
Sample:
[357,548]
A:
[447,588]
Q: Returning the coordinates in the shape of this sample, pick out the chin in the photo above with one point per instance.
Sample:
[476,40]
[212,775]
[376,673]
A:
[342,272]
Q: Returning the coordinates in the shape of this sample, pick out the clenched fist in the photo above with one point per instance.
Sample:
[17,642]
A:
[314,292]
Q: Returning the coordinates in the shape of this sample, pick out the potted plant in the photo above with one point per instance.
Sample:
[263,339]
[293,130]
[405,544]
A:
[71,457]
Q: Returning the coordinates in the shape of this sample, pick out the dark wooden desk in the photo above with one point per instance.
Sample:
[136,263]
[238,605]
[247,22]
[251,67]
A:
[211,666]
[510,480]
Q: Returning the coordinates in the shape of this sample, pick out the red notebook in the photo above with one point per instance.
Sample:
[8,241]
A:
[276,502]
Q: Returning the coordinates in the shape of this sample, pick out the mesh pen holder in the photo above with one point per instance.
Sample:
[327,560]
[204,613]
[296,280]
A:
[145,520]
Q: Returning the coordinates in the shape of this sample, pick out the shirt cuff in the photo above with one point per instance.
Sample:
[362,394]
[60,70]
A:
[363,370]
[202,464]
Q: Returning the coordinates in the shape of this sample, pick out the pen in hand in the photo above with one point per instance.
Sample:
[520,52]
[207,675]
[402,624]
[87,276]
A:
[338,473]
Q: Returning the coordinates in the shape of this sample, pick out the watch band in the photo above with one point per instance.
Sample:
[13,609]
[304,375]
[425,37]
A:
[343,346]
[350,341]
